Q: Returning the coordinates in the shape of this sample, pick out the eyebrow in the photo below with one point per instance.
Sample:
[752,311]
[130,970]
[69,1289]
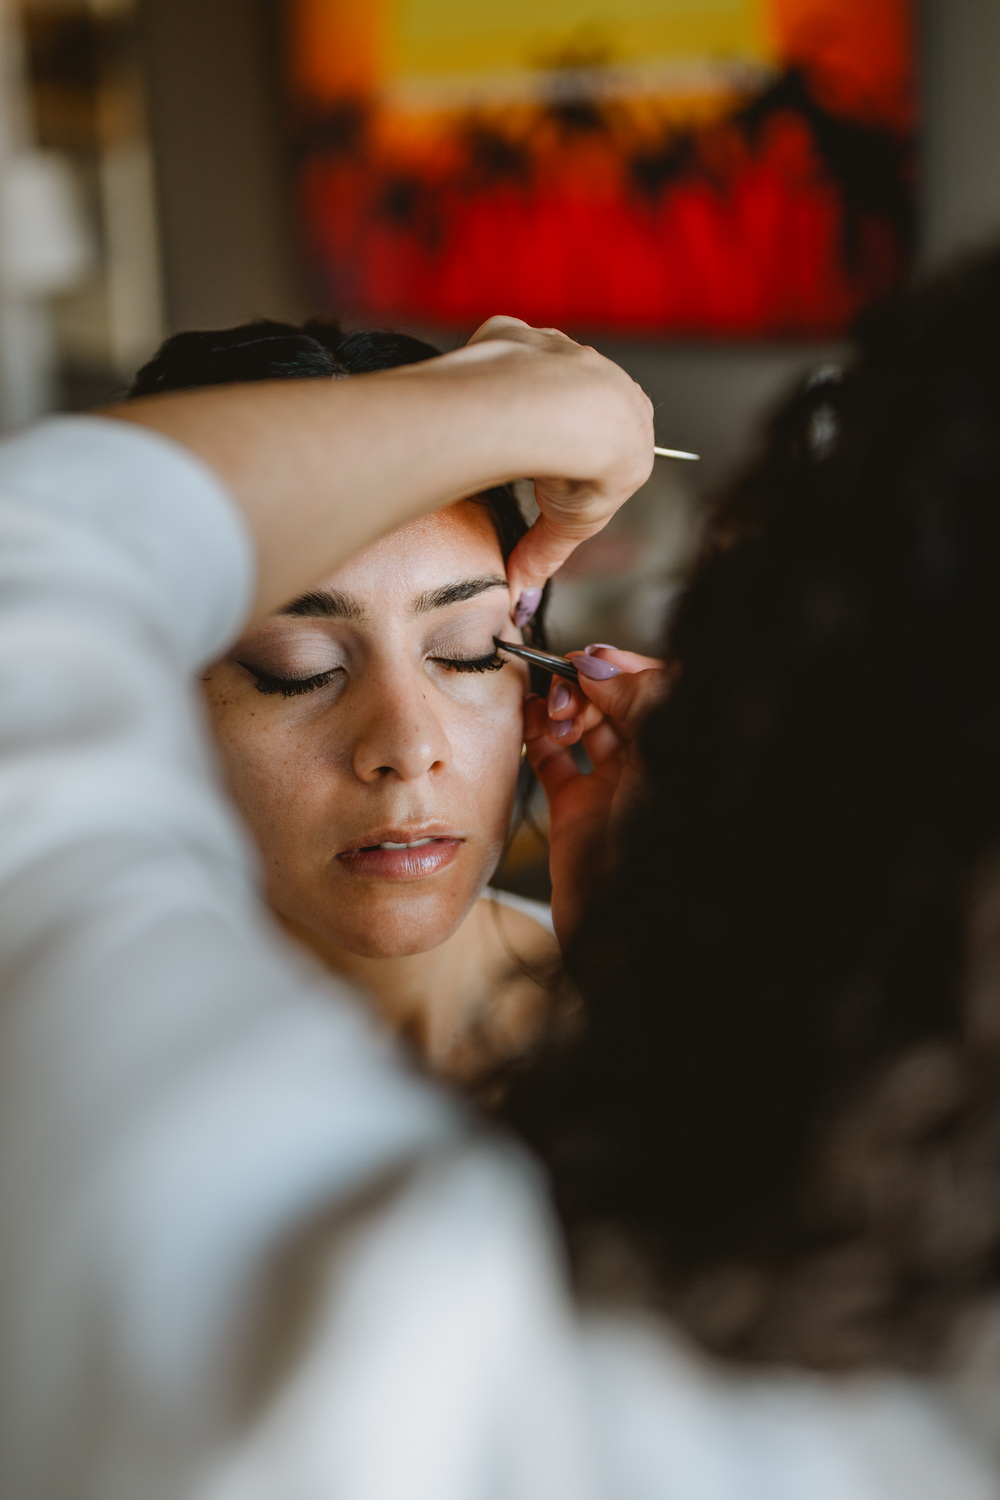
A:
[327,604]
[457,593]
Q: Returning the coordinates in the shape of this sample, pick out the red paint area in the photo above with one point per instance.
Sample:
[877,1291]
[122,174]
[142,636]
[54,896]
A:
[784,218]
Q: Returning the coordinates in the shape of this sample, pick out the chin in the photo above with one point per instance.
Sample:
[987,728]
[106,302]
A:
[400,935]
[369,946]
[399,927]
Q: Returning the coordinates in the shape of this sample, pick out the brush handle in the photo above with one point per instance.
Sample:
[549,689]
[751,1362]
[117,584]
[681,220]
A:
[559,665]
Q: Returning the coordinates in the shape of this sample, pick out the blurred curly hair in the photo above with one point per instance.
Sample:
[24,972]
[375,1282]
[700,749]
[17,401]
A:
[785,1098]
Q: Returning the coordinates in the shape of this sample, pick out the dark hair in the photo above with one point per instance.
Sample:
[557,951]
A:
[266,350]
[785,1094]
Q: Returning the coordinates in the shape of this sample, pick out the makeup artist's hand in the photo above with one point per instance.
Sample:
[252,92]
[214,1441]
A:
[616,691]
[321,468]
[613,454]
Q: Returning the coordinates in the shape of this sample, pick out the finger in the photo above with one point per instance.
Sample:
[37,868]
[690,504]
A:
[497,327]
[565,701]
[602,743]
[547,752]
[570,731]
[627,697]
[551,761]
[563,704]
[538,725]
[581,725]
[542,551]
[625,661]
[571,714]
[553,765]
[535,717]
[502,326]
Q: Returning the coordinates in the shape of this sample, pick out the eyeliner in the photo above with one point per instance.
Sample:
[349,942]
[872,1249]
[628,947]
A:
[560,666]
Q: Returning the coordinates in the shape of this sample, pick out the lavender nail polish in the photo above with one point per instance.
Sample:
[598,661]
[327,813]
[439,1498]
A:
[596,668]
[598,646]
[559,698]
[527,606]
[559,728]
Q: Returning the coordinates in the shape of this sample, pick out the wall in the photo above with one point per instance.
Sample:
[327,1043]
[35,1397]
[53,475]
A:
[214,113]
[711,399]
[961,85]
[225,209]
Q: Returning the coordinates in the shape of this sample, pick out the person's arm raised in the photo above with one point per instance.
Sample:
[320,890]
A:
[322,468]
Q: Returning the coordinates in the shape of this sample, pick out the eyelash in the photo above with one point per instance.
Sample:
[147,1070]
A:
[491,663]
[288,687]
[294,687]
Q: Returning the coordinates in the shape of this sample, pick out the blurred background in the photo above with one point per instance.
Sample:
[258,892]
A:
[708,190]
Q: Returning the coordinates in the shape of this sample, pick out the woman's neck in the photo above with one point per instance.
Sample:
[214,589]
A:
[462,1001]
[426,997]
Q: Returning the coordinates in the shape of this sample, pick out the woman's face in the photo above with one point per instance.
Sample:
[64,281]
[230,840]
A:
[373,712]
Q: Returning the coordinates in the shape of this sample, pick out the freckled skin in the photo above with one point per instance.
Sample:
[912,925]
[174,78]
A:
[394,739]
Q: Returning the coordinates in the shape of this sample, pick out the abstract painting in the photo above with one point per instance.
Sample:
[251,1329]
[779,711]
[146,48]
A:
[675,168]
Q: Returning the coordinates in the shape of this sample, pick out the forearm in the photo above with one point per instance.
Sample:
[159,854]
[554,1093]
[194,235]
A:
[322,468]
[177,1097]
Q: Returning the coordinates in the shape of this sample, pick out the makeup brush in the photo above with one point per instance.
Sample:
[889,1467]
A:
[561,666]
[676,453]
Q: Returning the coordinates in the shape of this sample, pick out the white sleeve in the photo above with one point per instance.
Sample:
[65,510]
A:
[179,1095]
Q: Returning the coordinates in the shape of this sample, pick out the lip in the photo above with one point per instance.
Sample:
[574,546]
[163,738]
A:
[435,850]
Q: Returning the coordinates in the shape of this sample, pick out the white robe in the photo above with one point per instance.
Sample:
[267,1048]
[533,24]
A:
[244,1253]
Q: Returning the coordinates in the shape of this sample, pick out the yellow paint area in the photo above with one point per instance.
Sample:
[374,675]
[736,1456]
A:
[468,37]
[362,46]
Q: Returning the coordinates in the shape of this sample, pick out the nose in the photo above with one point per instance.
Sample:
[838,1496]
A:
[399,733]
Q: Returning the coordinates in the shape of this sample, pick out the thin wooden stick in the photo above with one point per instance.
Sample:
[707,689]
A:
[676,453]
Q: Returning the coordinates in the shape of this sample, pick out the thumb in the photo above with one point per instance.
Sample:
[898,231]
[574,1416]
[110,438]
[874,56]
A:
[539,555]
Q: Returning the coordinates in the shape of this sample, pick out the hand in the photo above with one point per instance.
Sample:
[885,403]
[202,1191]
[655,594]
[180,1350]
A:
[322,468]
[612,443]
[606,714]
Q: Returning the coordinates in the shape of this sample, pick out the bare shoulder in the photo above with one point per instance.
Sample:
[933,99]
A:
[521,920]
[518,986]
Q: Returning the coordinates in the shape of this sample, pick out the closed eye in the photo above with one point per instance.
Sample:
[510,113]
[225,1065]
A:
[491,663]
[288,687]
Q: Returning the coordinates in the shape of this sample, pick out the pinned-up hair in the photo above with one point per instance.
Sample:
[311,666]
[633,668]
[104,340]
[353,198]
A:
[318,350]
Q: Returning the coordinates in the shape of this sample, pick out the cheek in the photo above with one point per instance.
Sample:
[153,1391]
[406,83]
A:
[487,747]
[273,776]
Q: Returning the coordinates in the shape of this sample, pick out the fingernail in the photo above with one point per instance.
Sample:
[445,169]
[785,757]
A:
[599,646]
[596,668]
[559,728]
[527,607]
[559,698]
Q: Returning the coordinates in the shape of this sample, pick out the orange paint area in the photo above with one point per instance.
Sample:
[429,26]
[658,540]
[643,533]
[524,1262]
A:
[608,184]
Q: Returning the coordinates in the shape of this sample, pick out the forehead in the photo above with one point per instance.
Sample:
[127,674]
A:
[456,542]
